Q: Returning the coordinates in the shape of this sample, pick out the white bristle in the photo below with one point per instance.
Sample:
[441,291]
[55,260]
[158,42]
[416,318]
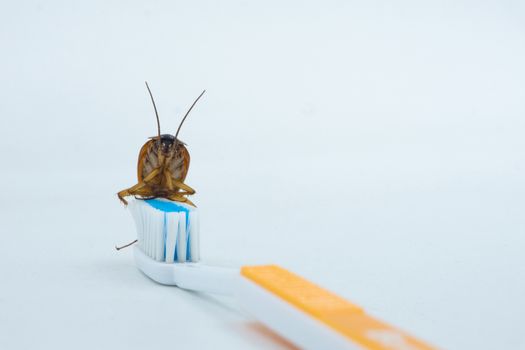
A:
[158,242]
[172,226]
[146,234]
[164,236]
[181,238]
[194,236]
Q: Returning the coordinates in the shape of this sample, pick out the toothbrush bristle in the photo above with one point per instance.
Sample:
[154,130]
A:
[166,231]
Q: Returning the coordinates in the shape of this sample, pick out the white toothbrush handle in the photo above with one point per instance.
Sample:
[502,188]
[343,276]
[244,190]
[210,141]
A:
[207,279]
[191,276]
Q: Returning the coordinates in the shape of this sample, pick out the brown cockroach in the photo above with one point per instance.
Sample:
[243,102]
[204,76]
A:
[162,166]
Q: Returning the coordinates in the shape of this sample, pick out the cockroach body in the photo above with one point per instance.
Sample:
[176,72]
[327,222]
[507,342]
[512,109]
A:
[162,166]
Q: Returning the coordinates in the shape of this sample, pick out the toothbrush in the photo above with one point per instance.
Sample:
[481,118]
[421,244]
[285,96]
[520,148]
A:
[307,315]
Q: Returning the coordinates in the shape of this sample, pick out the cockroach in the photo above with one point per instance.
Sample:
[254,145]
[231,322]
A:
[162,166]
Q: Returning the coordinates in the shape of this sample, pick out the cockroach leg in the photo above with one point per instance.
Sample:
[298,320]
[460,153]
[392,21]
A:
[127,245]
[190,202]
[130,192]
[183,186]
[122,194]
[178,198]
[151,175]
[169,181]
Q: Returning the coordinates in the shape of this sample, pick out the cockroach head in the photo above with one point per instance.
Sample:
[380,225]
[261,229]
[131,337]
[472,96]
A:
[166,143]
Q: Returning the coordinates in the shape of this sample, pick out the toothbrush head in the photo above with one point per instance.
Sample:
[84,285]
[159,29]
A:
[167,231]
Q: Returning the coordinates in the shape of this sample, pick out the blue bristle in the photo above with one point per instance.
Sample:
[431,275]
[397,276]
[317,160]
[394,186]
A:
[170,207]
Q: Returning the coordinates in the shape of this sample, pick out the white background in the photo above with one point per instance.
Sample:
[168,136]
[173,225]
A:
[374,147]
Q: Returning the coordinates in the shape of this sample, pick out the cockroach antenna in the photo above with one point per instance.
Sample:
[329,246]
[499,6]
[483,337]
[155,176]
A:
[188,112]
[155,108]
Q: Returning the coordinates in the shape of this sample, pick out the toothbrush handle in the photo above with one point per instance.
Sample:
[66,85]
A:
[206,279]
[302,312]
[191,276]
[314,318]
